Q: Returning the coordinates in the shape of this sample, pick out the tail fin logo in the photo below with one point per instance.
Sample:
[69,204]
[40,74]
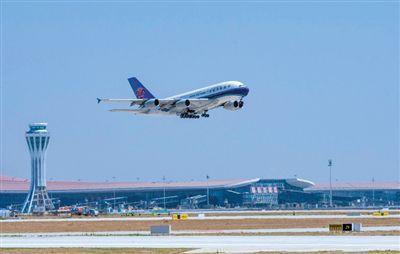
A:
[139,90]
[140,93]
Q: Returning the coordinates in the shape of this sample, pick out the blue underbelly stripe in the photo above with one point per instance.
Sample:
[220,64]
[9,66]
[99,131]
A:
[225,93]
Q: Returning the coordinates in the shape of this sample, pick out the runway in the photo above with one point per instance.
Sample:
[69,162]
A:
[224,217]
[207,244]
[196,232]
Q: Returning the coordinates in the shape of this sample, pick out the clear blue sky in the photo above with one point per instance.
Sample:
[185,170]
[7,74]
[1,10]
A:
[323,77]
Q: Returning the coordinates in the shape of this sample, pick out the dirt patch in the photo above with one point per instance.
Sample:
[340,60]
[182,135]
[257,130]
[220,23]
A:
[129,225]
[149,251]
[92,251]
[305,213]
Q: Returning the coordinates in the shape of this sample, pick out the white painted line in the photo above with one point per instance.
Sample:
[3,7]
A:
[185,232]
[213,243]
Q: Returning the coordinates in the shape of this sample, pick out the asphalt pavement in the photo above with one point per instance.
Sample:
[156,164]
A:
[204,244]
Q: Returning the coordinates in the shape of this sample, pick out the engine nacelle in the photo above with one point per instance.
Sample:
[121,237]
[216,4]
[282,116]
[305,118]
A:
[182,104]
[233,105]
[152,103]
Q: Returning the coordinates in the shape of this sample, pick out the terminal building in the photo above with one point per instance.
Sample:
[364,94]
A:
[289,193]
[362,194]
[256,192]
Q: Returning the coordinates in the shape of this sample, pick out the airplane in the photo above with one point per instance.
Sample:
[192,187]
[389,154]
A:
[193,104]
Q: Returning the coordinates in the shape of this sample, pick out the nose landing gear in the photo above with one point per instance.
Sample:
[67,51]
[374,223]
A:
[205,114]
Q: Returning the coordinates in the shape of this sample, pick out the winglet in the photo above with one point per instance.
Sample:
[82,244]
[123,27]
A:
[98,100]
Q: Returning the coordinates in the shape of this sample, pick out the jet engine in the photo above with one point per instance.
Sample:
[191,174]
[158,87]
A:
[152,103]
[233,105]
[182,104]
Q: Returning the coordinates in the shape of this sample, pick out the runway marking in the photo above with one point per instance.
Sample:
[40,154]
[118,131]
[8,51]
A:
[180,232]
[212,243]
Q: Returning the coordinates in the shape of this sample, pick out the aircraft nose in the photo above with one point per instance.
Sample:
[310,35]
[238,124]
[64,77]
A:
[246,90]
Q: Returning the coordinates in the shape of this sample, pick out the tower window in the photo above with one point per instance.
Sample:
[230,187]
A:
[43,142]
[37,142]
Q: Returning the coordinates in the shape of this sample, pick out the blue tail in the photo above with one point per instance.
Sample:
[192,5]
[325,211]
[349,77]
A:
[140,91]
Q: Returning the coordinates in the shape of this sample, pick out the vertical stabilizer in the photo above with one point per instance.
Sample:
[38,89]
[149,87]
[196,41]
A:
[139,90]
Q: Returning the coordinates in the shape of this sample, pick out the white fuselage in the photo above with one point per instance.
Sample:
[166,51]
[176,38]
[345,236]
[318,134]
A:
[217,94]
[192,104]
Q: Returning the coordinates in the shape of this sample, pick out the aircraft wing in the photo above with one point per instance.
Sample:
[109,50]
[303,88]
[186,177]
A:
[194,103]
[163,104]
[166,102]
[197,103]
[133,102]
[126,101]
[134,111]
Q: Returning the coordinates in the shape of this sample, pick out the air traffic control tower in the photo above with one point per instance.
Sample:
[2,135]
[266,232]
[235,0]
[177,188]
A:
[38,199]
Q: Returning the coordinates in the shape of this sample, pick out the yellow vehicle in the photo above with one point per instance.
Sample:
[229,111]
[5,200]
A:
[380,213]
[177,216]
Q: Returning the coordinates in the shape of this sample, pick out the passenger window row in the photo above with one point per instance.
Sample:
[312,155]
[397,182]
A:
[219,88]
[211,90]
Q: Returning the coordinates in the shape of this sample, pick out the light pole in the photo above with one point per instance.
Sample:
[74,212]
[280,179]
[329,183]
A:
[373,191]
[164,191]
[113,190]
[330,181]
[208,191]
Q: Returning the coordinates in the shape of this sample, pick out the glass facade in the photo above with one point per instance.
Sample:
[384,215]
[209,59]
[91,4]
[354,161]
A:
[257,194]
